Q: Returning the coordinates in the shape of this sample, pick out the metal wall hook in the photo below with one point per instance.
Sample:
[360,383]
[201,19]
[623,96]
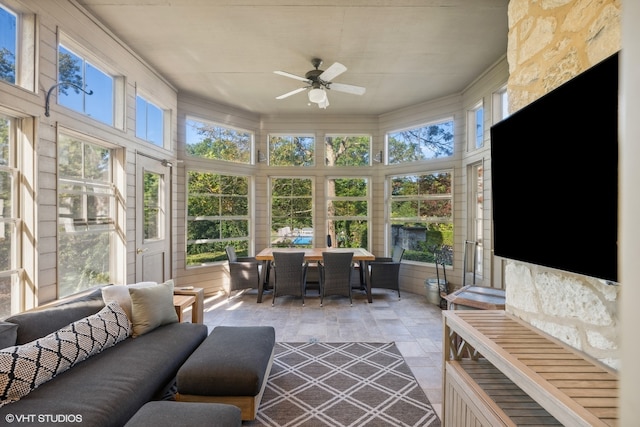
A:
[46,102]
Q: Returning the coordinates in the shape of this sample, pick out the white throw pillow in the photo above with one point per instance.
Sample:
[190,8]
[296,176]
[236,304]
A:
[120,294]
[23,368]
[152,307]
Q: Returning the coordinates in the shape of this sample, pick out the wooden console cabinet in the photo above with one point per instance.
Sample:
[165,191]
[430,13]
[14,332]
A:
[499,371]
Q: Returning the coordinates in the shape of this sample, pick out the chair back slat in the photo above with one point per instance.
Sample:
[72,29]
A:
[290,274]
[335,274]
[231,254]
[398,252]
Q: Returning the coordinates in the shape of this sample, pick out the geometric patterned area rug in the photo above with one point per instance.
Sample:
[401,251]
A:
[342,384]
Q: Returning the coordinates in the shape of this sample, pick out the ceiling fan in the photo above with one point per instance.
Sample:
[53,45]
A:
[319,81]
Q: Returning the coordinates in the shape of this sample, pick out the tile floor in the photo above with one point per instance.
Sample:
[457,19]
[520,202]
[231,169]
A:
[411,322]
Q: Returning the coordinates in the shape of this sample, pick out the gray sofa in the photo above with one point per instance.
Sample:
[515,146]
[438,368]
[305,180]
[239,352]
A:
[108,388]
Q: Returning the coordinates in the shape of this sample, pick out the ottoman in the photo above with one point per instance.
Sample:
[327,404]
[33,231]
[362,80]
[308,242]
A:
[230,366]
[170,414]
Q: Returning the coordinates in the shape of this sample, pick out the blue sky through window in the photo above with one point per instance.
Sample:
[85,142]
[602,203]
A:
[8,22]
[479,127]
[149,122]
[99,104]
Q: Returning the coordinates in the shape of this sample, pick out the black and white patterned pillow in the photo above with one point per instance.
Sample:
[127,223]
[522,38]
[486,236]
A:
[25,367]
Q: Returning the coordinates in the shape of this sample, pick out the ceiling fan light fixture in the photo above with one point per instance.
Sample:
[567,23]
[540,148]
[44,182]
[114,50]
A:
[317,95]
[324,104]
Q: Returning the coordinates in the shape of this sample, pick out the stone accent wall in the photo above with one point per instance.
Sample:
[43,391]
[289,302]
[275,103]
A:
[551,41]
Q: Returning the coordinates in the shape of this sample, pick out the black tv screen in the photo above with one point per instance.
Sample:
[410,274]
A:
[554,175]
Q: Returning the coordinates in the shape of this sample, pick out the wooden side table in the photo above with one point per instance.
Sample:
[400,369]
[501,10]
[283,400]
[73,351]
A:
[198,306]
[181,302]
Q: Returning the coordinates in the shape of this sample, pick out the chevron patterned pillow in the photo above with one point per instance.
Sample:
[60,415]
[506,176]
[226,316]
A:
[25,367]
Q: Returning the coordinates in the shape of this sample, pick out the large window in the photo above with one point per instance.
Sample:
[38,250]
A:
[149,121]
[9,220]
[348,212]
[86,215]
[217,216]
[291,150]
[345,150]
[212,141]
[421,209]
[84,87]
[426,142]
[292,212]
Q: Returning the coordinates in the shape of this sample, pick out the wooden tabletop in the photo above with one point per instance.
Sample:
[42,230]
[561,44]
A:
[315,254]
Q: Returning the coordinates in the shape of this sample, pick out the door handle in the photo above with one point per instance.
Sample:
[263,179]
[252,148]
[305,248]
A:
[141,250]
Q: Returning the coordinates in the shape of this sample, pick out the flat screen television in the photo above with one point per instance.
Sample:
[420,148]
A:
[554,177]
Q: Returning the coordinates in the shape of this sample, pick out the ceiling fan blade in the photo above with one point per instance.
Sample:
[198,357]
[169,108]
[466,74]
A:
[341,87]
[292,76]
[293,92]
[332,72]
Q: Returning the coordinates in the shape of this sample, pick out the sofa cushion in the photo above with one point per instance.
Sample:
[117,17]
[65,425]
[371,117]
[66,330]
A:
[232,361]
[107,389]
[171,414]
[120,294]
[152,307]
[37,323]
[25,367]
[8,334]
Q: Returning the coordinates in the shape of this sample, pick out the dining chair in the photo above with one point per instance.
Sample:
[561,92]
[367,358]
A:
[290,274]
[244,272]
[396,255]
[335,274]
[385,271]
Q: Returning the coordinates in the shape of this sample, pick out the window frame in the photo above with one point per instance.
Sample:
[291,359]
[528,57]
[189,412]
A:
[25,46]
[249,152]
[312,196]
[367,156]
[116,245]
[475,128]
[416,219]
[306,162]
[164,122]
[15,272]
[367,218]
[249,218]
[500,104]
[449,121]
[476,214]
[118,87]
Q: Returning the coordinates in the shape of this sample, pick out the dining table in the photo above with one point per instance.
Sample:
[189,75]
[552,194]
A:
[360,255]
